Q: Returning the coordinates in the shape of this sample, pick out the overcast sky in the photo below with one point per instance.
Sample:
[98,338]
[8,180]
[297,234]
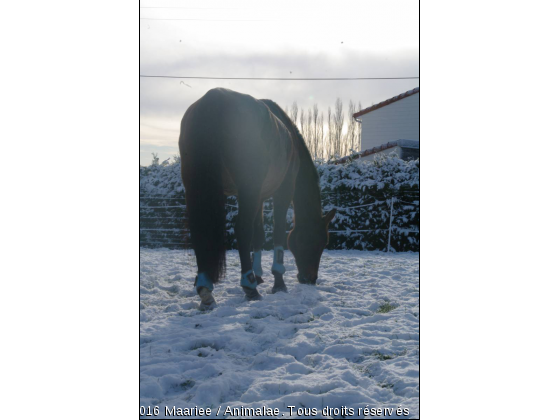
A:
[270,39]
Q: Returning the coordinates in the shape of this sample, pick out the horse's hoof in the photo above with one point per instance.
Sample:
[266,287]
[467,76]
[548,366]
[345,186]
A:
[282,288]
[204,307]
[303,280]
[259,280]
[207,301]
[252,294]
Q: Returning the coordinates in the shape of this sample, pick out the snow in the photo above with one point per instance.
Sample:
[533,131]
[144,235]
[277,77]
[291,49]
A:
[352,341]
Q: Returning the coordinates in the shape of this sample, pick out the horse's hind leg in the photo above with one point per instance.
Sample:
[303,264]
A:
[258,243]
[281,204]
[248,206]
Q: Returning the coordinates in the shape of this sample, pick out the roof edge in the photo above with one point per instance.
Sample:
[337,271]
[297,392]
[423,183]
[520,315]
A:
[387,102]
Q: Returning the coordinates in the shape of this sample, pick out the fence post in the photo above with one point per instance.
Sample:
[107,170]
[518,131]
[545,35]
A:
[390,224]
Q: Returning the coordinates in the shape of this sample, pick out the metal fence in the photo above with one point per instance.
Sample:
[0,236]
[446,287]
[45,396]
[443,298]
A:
[387,221]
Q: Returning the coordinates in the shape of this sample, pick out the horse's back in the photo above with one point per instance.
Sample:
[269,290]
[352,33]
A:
[214,113]
[240,137]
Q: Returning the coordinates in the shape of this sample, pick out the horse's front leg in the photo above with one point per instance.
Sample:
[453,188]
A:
[258,243]
[281,204]
[248,207]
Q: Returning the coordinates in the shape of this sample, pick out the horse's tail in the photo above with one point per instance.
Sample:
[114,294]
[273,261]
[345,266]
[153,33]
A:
[202,178]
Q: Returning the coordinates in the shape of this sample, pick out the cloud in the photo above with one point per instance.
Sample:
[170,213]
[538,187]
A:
[327,39]
[169,96]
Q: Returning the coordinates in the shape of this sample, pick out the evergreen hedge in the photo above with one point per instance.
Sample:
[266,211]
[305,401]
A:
[371,185]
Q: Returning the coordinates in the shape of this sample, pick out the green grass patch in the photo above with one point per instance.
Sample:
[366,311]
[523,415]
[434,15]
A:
[382,356]
[188,384]
[386,307]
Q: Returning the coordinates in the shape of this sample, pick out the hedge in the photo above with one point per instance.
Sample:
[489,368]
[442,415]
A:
[371,185]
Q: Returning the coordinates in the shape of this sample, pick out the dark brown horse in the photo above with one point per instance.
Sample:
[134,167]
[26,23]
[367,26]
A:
[234,144]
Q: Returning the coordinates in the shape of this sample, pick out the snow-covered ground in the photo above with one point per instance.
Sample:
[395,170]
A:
[352,341]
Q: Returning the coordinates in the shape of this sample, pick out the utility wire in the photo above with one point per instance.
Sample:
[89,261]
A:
[217,20]
[195,8]
[287,20]
[279,78]
[209,8]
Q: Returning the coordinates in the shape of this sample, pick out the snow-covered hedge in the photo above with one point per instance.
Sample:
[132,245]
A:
[361,191]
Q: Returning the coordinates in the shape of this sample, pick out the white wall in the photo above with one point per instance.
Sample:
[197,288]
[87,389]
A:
[399,120]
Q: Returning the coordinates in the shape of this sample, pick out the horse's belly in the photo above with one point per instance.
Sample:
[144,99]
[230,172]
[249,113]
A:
[273,180]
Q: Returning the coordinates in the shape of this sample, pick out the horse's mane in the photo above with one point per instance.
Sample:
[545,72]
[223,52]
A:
[294,131]
[307,191]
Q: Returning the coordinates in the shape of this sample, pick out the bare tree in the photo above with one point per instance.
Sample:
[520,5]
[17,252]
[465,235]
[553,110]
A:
[324,136]
[351,133]
[314,119]
[320,136]
[338,125]
[294,113]
[330,134]
[303,126]
[309,129]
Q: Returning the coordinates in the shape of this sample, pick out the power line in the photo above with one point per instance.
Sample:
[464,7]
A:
[204,8]
[190,8]
[287,20]
[214,8]
[217,20]
[280,78]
